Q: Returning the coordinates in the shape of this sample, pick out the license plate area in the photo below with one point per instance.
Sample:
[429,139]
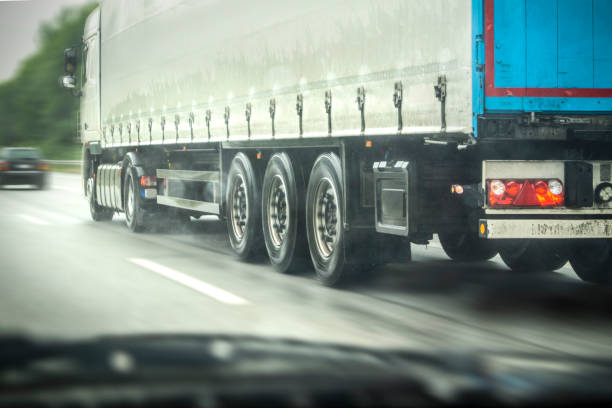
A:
[545,229]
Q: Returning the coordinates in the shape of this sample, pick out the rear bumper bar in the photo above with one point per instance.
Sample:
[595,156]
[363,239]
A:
[544,229]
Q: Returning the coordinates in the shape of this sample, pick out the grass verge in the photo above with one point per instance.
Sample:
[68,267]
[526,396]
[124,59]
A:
[65,168]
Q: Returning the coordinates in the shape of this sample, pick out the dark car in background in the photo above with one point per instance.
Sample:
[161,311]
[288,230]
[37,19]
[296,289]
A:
[23,165]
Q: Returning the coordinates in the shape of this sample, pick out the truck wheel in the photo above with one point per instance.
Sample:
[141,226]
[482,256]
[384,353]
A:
[533,255]
[467,247]
[243,208]
[134,213]
[324,215]
[592,260]
[98,213]
[282,202]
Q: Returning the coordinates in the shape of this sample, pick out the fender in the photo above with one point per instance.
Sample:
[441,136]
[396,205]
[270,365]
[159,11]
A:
[135,159]
[132,159]
[145,164]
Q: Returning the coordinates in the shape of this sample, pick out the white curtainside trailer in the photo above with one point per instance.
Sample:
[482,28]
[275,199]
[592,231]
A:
[209,60]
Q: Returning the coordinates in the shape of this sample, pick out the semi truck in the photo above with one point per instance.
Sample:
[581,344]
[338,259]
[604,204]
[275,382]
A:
[336,134]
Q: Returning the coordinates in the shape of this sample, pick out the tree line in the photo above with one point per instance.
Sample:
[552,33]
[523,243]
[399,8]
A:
[34,109]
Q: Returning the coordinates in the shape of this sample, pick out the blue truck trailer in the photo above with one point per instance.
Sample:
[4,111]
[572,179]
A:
[338,134]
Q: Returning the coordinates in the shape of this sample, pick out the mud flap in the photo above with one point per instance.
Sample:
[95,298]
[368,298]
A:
[394,186]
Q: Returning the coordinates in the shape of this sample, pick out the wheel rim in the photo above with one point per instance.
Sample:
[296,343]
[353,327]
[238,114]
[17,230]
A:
[326,218]
[239,207]
[278,211]
[130,201]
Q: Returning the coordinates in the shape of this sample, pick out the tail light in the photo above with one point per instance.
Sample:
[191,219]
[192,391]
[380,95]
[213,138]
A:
[42,165]
[148,181]
[525,193]
[4,165]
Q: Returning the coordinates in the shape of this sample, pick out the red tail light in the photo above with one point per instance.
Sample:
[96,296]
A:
[525,193]
[4,165]
[148,181]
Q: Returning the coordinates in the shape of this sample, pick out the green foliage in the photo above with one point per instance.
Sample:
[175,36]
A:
[34,109]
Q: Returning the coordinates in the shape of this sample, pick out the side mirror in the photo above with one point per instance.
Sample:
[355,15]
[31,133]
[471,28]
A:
[68,82]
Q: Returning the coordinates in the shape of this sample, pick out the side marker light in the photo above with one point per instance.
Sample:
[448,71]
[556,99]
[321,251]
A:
[457,189]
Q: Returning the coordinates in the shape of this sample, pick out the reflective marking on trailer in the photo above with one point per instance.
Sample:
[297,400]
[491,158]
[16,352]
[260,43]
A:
[34,220]
[192,283]
[565,229]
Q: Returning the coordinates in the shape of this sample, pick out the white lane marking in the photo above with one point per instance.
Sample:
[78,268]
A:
[34,220]
[195,284]
[71,189]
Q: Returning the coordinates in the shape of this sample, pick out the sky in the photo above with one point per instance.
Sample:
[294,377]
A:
[19,21]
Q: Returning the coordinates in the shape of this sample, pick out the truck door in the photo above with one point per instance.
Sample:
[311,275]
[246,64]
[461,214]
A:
[90,102]
[548,55]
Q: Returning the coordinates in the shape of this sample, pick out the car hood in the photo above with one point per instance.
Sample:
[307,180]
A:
[243,365]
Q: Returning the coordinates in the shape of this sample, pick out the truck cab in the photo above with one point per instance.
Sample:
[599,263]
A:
[89,123]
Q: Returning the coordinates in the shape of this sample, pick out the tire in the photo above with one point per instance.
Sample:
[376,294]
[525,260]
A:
[324,219]
[98,213]
[592,260]
[282,214]
[533,255]
[243,208]
[134,213]
[467,247]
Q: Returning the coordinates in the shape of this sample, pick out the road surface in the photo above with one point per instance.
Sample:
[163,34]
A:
[64,276]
